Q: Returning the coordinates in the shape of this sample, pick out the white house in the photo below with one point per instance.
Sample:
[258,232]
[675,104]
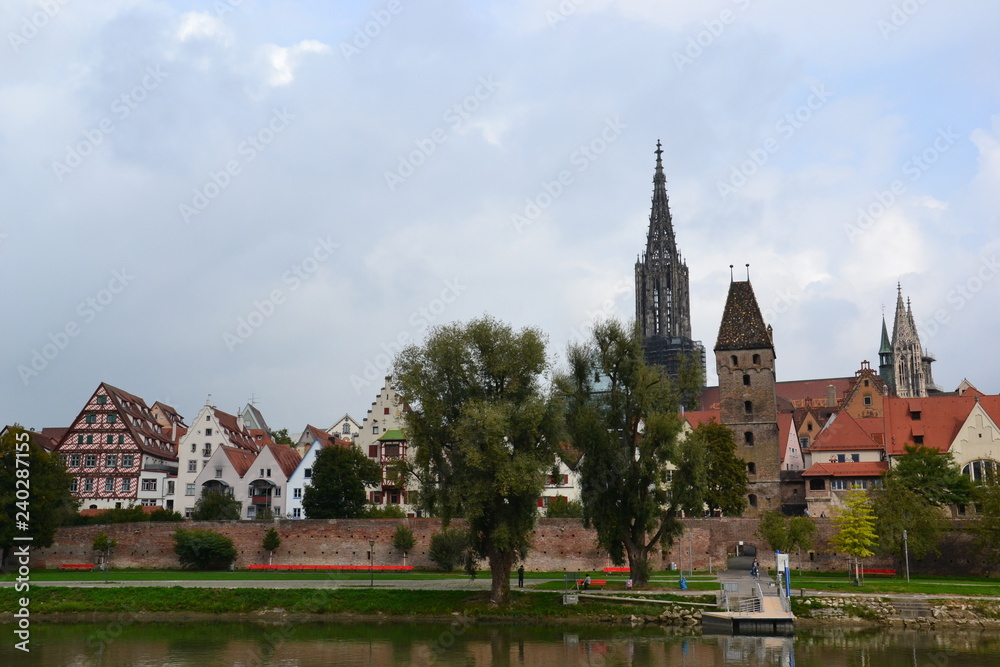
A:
[345,428]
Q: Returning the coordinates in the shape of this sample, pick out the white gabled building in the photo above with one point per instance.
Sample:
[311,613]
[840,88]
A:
[259,481]
[345,428]
[382,440]
[211,429]
[561,480]
[302,475]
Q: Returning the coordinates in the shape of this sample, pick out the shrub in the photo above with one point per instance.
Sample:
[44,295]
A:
[561,507]
[387,512]
[448,547]
[403,539]
[165,515]
[203,549]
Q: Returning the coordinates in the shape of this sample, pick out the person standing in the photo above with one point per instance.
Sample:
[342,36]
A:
[520,577]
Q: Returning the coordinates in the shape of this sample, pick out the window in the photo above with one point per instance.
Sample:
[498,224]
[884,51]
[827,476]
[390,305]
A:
[102,400]
[804,443]
[394,498]
[375,430]
[110,439]
[88,485]
[977,470]
[91,419]
[841,458]
[268,472]
[170,487]
[207,450]
[121,438]
[868,399]
[296,493]
[746,379]
[748,408]
[856,458]
[251,511]
[208,431]
[373,451]
[277,492]
[347,428]
[109,485]
[376,497]
[733,361]
[194,448]
[386,411]
[307,473]
[915,415]
[867,382]
[839,485]
[79,439]
[63,459]
[112,419]
[752,499]
[90,460]
[127,460]
[189,489]
[192,466]
[751,468]
[126,485]
[74,485]
[187,513]
[817,485]
[390,450]
[149,485]
[111,460]
[756,360]
[218,473]
[90,439]
[74,460]
[748,439]
[297,513]
[918,440]
[261,473]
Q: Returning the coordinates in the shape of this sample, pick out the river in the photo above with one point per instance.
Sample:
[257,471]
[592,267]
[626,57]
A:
[185,644]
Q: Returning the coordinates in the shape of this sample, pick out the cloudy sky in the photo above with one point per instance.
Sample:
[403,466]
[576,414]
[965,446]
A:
[235,198]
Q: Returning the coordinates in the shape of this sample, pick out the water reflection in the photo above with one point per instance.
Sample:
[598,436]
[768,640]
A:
[308,645]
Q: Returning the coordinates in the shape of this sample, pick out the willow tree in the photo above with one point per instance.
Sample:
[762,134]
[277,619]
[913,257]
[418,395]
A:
[636,476]
[484,426]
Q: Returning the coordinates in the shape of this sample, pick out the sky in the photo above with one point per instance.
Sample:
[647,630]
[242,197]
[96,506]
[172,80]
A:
[231,199]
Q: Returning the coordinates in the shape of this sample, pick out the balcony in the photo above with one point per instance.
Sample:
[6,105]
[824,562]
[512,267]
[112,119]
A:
[260,500]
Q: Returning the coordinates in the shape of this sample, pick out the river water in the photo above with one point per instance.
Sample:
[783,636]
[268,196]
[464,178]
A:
[306,645]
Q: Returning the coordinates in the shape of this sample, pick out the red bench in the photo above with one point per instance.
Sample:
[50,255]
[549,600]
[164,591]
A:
[77,566]
[883,573]
[335,568]
[616,570]
[593,582]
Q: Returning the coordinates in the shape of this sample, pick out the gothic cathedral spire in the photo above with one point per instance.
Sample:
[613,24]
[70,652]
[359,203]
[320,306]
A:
[908,367]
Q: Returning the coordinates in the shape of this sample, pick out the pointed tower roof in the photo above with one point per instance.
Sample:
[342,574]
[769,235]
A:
[902,326]
[742,325]
[886,346]
[661,227]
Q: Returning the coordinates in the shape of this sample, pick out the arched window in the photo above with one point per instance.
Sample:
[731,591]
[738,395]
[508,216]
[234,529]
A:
[748,438]
[756,360]
[752,499]
[976,470]
[733,361]
[751,468]
[746,379]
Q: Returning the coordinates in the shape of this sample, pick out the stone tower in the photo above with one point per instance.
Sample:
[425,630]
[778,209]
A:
[744,359]
[911,366]
[885,369]
[662,298]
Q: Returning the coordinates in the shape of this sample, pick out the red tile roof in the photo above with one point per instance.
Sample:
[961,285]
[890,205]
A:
[796,391]
[236,432]
[240,458]
[941,417]
[146,509]
[852,469]
[286,457]
[841,433]
[261,437]
[698,417]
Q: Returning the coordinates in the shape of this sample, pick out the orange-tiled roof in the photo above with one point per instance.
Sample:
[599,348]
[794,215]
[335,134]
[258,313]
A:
[240,458]
[698,417]
[941,417]
[796,391]
[237,434]
[851,469]
[841,433]
[286,457]
[146,509]
[261,437]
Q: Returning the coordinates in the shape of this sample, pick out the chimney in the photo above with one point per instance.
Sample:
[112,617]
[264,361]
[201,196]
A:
[831,396]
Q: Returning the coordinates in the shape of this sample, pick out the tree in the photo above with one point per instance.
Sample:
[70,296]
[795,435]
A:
[899,509]
[690,380]
[786,534]
[34,490]
[104,545]
[402,539]
[987,523]
[281,437]
[561,507]
[484,430]
[217,506]
[448,548]
[726,475]
[855,524]
[627,430]
[271,542]
[933,475]
[339,477]
[203,549]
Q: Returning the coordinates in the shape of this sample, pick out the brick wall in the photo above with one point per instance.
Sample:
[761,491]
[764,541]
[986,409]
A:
[559,544]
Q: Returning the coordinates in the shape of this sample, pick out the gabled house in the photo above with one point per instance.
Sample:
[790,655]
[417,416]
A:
[345,428]
[118,453]
[386,416]
[210,429]
[563,479]
[48,438]
[301,477]
[266,481]
[224,473]
[253,419]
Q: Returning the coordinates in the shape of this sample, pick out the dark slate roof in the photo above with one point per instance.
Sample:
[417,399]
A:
[742,325]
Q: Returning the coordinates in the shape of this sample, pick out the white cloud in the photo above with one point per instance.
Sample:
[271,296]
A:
[284,60]
[202,25]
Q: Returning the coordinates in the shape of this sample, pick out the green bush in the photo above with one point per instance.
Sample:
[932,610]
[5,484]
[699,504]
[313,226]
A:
[561,507]
[403,539]
[387,512]
[165,515]
[448,547]
[203,549]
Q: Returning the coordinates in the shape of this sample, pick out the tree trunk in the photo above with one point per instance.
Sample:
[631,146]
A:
[637,559]
[501,564]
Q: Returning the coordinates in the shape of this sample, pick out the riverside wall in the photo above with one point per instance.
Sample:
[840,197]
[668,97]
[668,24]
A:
[558,545]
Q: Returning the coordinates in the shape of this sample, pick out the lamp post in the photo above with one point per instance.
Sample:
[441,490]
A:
[906,554]
[371,562]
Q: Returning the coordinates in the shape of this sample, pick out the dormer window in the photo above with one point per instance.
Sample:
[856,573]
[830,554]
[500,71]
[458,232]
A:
[915,415]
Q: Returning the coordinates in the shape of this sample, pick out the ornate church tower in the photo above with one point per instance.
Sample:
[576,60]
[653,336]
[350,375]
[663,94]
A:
[744,359]
[662,298]
[911,366]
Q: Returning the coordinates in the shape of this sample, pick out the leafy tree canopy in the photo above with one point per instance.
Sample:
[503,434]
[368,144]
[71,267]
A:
[897,509]
[281,437]
[217,506]
[203,549]
[561,507]
[933,475]
[987,523]
[34,490]
[622,415]
[271,539]
[339,477]
[402,539]
[855,524]
[725,474]
[484,429]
